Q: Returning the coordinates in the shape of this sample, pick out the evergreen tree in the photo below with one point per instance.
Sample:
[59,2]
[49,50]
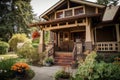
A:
[107,2]
[14,17]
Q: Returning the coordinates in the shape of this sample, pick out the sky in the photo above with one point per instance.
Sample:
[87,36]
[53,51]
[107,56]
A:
[40,6]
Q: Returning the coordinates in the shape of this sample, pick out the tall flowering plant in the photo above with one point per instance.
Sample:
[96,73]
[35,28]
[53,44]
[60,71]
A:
[20,68]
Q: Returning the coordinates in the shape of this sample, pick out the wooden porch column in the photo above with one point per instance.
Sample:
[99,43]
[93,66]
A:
[41,43]
[51,36]
[92,36]
[118,36]
[58,39]
[88,41]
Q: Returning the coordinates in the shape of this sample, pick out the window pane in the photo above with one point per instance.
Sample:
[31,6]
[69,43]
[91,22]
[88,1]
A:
[59,15]
[68,13]
[78,11]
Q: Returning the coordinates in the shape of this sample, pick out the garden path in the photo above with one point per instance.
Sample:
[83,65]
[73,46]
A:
[46,73]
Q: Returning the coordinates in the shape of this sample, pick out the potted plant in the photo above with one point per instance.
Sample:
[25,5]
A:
[22,71]
[49,61]
[62,75]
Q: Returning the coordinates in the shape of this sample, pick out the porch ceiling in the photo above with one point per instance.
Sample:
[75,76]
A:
[70,29]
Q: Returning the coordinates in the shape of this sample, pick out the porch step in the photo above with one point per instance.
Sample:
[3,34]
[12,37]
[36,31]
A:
[63,59]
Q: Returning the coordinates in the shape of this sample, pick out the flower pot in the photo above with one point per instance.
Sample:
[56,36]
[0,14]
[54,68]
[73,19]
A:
[48,64]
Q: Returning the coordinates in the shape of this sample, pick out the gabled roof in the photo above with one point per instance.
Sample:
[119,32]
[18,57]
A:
[61,2]
[110,13]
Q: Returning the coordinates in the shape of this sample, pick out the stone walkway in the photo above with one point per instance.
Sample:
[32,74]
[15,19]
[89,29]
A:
[45,73]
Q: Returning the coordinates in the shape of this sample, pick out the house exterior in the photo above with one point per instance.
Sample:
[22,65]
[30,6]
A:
[78,25]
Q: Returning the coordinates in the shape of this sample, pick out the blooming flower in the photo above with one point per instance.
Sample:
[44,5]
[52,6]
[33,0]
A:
[35,34]
[20,67]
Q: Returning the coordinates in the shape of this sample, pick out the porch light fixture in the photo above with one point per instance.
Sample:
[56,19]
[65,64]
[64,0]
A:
[66,39]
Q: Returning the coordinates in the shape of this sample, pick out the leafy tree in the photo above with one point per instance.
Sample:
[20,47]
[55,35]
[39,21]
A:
[15,15]
[106,2]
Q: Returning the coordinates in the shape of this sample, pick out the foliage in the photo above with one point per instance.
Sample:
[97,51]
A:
[17,38]
[9,67]
[62,74]
[3,47]
[29,52]
[47,34]
[30,74]
[108,58]
[35,42]
[5,69]
[93,70]
[49,60]
[106,2]
[14,17]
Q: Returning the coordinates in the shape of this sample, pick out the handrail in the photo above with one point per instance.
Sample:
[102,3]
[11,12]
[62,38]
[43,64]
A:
[51,51]
[75,52]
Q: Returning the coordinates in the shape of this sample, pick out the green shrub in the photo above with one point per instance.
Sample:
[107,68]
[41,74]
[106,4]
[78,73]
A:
[29,52]
[17,38]
[109,59]
[93,70]
[30,74]
[49,60]
[61,74]
[3,47]
[36,40]
[5,69]
[35,45]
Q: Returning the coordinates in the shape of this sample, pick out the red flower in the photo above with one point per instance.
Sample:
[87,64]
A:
[35,34]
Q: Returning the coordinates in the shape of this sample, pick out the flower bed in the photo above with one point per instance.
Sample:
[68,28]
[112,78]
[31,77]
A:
[10,70]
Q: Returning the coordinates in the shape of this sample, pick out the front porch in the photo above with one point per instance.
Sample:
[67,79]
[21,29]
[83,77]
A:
[78,35]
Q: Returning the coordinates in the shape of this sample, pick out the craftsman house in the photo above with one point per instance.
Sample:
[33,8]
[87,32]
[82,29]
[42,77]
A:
[79,25]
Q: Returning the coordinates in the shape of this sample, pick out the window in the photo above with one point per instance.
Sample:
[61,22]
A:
[78,11]
[68,13]
[59,15]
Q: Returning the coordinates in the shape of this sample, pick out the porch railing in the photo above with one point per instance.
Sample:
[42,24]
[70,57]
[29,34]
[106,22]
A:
[51,50]
[75,52]
[107,46]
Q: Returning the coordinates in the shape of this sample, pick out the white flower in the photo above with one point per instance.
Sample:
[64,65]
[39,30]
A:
[1,71]
[5,71]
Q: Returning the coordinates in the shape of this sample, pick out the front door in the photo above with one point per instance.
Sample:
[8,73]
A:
[64,41]
[79,36]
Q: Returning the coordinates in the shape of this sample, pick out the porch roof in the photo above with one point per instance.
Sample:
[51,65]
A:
[110,13]
[66,19]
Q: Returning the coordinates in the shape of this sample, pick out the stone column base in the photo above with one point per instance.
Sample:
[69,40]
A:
[88,46]
[118,46]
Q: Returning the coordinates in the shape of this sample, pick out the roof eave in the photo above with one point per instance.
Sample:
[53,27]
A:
[78,1]
[89,3]
[51,8]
